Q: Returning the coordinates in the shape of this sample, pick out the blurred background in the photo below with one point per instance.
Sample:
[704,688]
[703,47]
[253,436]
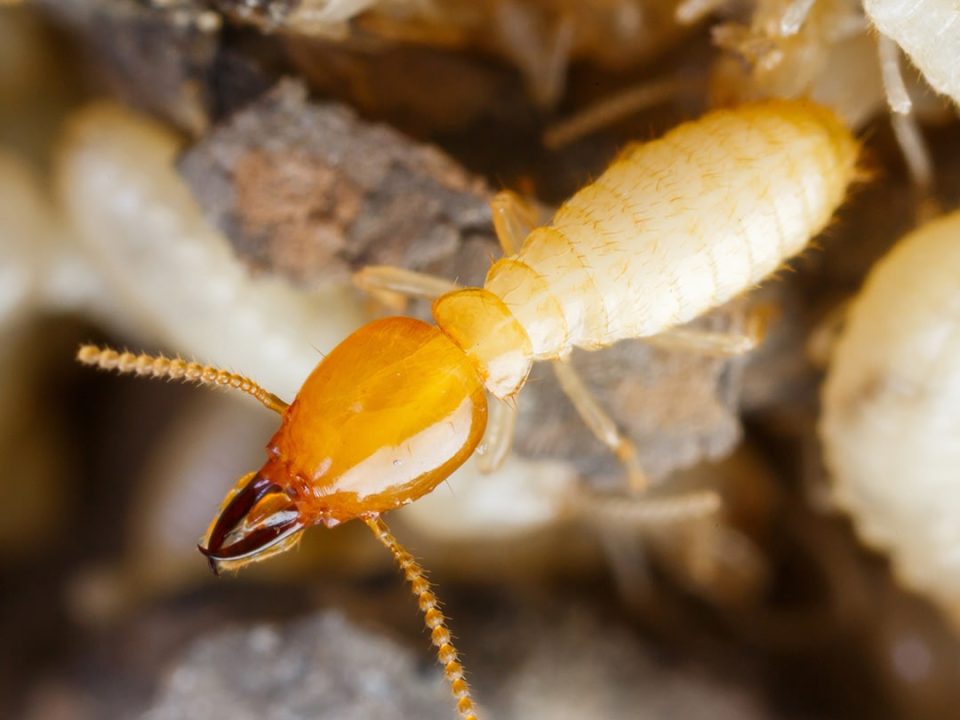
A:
[202,178]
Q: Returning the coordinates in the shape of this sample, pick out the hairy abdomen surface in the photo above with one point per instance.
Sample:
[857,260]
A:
[679,225]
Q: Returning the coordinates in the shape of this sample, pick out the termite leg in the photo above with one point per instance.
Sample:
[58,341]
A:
[652,512]
[432,616]
[498,440]
[542,54]
[720,344]
[392,286]
[513,219]
[905,128]
[896,90]
[621,520]
[410,283]
[615,108]
[158,366]
[600,423]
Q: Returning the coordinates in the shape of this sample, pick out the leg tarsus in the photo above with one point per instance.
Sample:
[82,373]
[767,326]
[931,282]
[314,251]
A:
[541,53]
[600,423]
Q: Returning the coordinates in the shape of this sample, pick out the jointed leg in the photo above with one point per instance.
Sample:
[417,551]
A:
[379,278]
[541,52]
[499,437]
[158,366]
[513,219]
[600,423]
[914,149]
[613,109]
[897,96]
[721,344]
[626,523]
[919,165]
[651,512]
[432,617]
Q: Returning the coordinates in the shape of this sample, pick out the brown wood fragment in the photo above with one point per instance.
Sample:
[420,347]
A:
[312,192]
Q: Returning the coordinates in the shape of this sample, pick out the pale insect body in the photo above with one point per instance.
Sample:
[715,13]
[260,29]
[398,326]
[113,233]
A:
[673,228]
[144,234]
[929,32]
[891,411]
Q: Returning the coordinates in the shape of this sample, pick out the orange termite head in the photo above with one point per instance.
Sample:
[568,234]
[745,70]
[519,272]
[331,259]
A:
[386,416]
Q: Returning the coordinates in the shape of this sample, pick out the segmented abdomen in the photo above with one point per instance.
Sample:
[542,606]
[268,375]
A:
[929,32]
[679,225]
[891,410]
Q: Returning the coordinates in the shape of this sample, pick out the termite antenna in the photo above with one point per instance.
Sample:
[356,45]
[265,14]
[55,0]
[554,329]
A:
[158,366]
[432,617]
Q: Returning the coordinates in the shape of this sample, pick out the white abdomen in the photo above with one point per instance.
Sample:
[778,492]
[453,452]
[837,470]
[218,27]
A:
[891,410]
[679,225]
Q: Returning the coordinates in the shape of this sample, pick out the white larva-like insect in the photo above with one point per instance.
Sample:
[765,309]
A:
[929,32]
[176,275]
[891,411]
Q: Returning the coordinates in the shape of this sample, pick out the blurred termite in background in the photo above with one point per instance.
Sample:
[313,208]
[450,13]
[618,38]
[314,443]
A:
[672,229]
[841,53]
[890,410]
[541,38]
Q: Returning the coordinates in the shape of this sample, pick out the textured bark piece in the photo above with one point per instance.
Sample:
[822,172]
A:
[540,660]
[310,191]
[576,661]
[321,668]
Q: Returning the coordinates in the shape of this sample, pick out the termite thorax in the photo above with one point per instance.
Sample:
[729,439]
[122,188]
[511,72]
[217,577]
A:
[483,326]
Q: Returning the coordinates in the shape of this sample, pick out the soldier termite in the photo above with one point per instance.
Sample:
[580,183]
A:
[891,410]
[673,228]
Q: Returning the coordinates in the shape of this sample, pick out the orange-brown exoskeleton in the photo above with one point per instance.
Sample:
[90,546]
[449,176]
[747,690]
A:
[673,228]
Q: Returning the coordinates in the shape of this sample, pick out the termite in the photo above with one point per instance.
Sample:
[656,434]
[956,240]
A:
[673,228]
[891,410]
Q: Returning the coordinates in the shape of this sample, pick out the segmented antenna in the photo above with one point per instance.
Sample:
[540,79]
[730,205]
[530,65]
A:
[158,366]
[432,617]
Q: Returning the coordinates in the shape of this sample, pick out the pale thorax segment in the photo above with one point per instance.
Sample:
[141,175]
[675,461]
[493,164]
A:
[677,226]
[482,325]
